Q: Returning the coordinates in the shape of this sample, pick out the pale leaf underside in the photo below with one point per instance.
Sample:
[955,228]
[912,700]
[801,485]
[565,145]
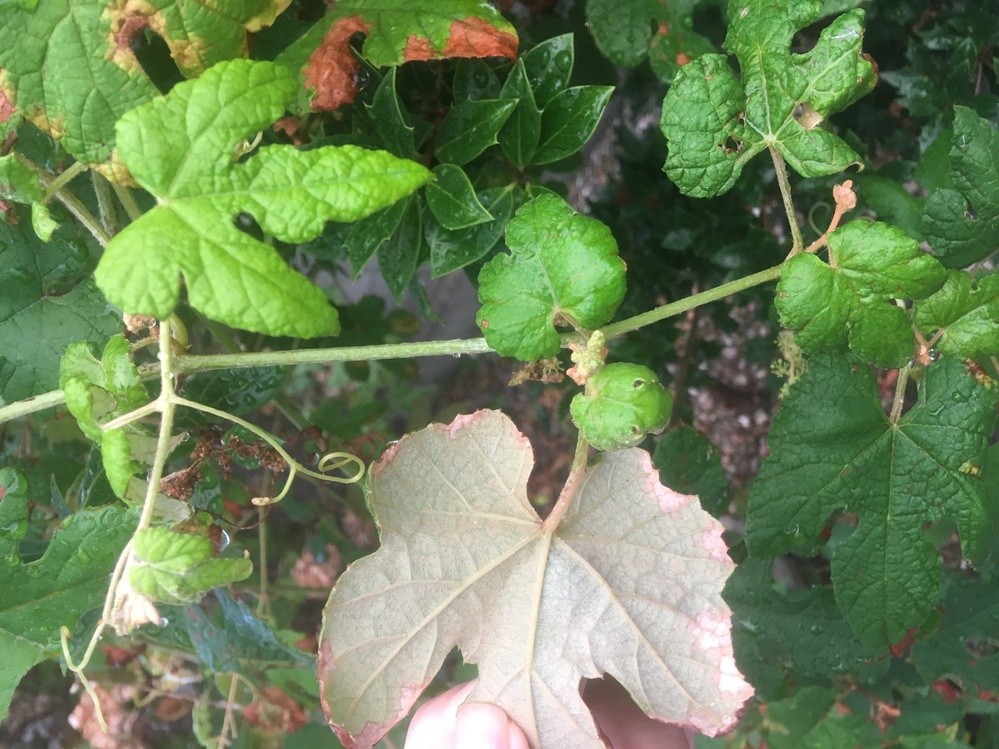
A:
[629,585]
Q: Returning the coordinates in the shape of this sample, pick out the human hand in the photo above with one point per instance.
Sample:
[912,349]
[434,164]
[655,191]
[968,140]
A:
[440,724]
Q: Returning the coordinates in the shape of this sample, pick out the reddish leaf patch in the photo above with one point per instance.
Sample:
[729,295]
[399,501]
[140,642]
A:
[470,37]
[332,67]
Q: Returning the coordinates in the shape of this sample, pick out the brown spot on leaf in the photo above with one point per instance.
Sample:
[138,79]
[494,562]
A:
[289,126]
[474,37]
[129,18]
[419,48]
[682,58]
[332,67]
[471,37]
[274,710]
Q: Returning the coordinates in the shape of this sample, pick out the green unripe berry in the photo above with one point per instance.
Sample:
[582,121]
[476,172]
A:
[622,403]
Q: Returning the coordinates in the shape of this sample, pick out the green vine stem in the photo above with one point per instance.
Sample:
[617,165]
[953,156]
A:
[28,406]
[127,201]
[105,204]
[55,188]
[899,401]
[60,181]
[164,403]
[188,364]
[797,243]
[683,305]
[199,363]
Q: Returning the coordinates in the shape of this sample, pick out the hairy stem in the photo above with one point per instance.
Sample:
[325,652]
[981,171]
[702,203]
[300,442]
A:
[127,201]
[785,191]
[76,207]
[568,493]
[61,180]
[166,408]
[689,303]
[105,204]
[899,401]
[189,364]
[31,405]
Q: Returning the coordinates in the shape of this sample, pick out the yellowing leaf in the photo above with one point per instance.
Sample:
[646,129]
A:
[628,584]
[396,31]
[69,65]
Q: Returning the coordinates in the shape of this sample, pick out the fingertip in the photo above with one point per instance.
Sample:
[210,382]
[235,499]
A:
[482,726]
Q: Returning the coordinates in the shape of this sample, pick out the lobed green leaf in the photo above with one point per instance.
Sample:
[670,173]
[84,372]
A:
[396,31]
[832,448]
[962,223]
[850,300]
[43,49]
[561,265]
[714,123]
[180,148]
[964,314]
[662,32]
[47,300]
[180,568]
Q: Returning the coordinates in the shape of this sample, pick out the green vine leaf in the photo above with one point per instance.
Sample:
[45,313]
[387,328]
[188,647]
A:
[54,591]
[568,120]
[180,568]
[396,31]
[562,266]
[850,300]
[627,585]
[452,200]
[661,32]
[782,634]
[469,128]
[714,123]
[18,182]
[100,389]
[965,314]
[49,301]
[622,403]
[950,652]
[454,249]
[548,66]
[232,638]
[896,478]
[180,148]
[962,224]
[41,47]
[518,138]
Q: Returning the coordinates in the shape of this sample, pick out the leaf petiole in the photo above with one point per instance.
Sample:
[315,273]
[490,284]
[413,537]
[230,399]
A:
[780,167]
[571,486]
